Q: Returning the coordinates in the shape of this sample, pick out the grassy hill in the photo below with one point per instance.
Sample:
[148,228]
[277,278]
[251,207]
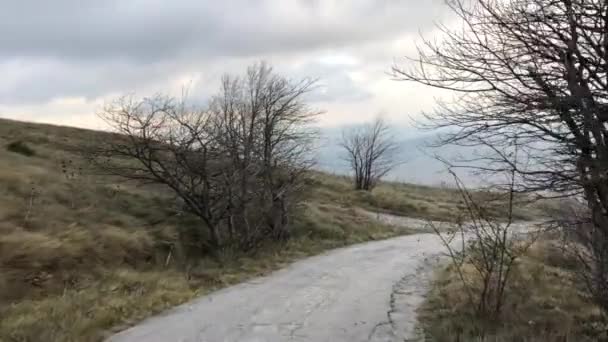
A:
[82,254]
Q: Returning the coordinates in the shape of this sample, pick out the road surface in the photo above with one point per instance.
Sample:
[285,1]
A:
[366,292]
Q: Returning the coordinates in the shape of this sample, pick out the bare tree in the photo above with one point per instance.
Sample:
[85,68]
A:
[370,151]
[263,126]
[237,165]
[532,74]
[161,141]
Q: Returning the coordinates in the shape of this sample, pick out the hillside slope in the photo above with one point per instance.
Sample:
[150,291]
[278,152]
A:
[82,253]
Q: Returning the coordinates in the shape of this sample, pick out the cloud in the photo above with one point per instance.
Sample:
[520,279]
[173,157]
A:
[152,31]
[34,82]
[334,79]
[92,50]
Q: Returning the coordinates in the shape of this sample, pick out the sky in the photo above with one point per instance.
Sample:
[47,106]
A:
[61,60]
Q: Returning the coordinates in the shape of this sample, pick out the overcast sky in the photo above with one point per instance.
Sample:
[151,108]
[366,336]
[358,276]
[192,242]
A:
[61,60]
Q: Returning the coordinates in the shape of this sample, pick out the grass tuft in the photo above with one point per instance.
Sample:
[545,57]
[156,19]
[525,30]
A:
[21,148]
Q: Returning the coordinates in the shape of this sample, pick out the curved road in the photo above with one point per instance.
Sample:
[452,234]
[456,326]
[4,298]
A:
[366,292]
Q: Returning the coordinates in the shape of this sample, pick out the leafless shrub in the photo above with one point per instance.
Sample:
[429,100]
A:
[236,165]
[370,151]
[261,125]
[486,243]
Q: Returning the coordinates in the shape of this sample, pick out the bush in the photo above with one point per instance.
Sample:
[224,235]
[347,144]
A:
[21,148]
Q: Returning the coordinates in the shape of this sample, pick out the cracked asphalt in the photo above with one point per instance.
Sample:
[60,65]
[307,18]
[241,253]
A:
[366,292]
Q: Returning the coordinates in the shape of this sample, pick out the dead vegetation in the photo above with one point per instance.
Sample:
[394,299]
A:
[236,163]
[507,285]
[370,152]
[420,201]
[529,84]
[543,302]
[81,254]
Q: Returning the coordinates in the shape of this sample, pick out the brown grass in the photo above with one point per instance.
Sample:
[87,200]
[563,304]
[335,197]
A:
[544,302]
[100,296]
[82,255]
[418,201]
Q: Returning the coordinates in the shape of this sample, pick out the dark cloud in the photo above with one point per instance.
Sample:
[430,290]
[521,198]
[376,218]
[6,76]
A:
[154,30]
[65,48]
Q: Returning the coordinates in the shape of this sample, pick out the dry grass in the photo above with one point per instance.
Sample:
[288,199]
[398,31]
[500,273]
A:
[105,297]
[544,302]
[394,198]
[81,255]
[413,200]
[81,314]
